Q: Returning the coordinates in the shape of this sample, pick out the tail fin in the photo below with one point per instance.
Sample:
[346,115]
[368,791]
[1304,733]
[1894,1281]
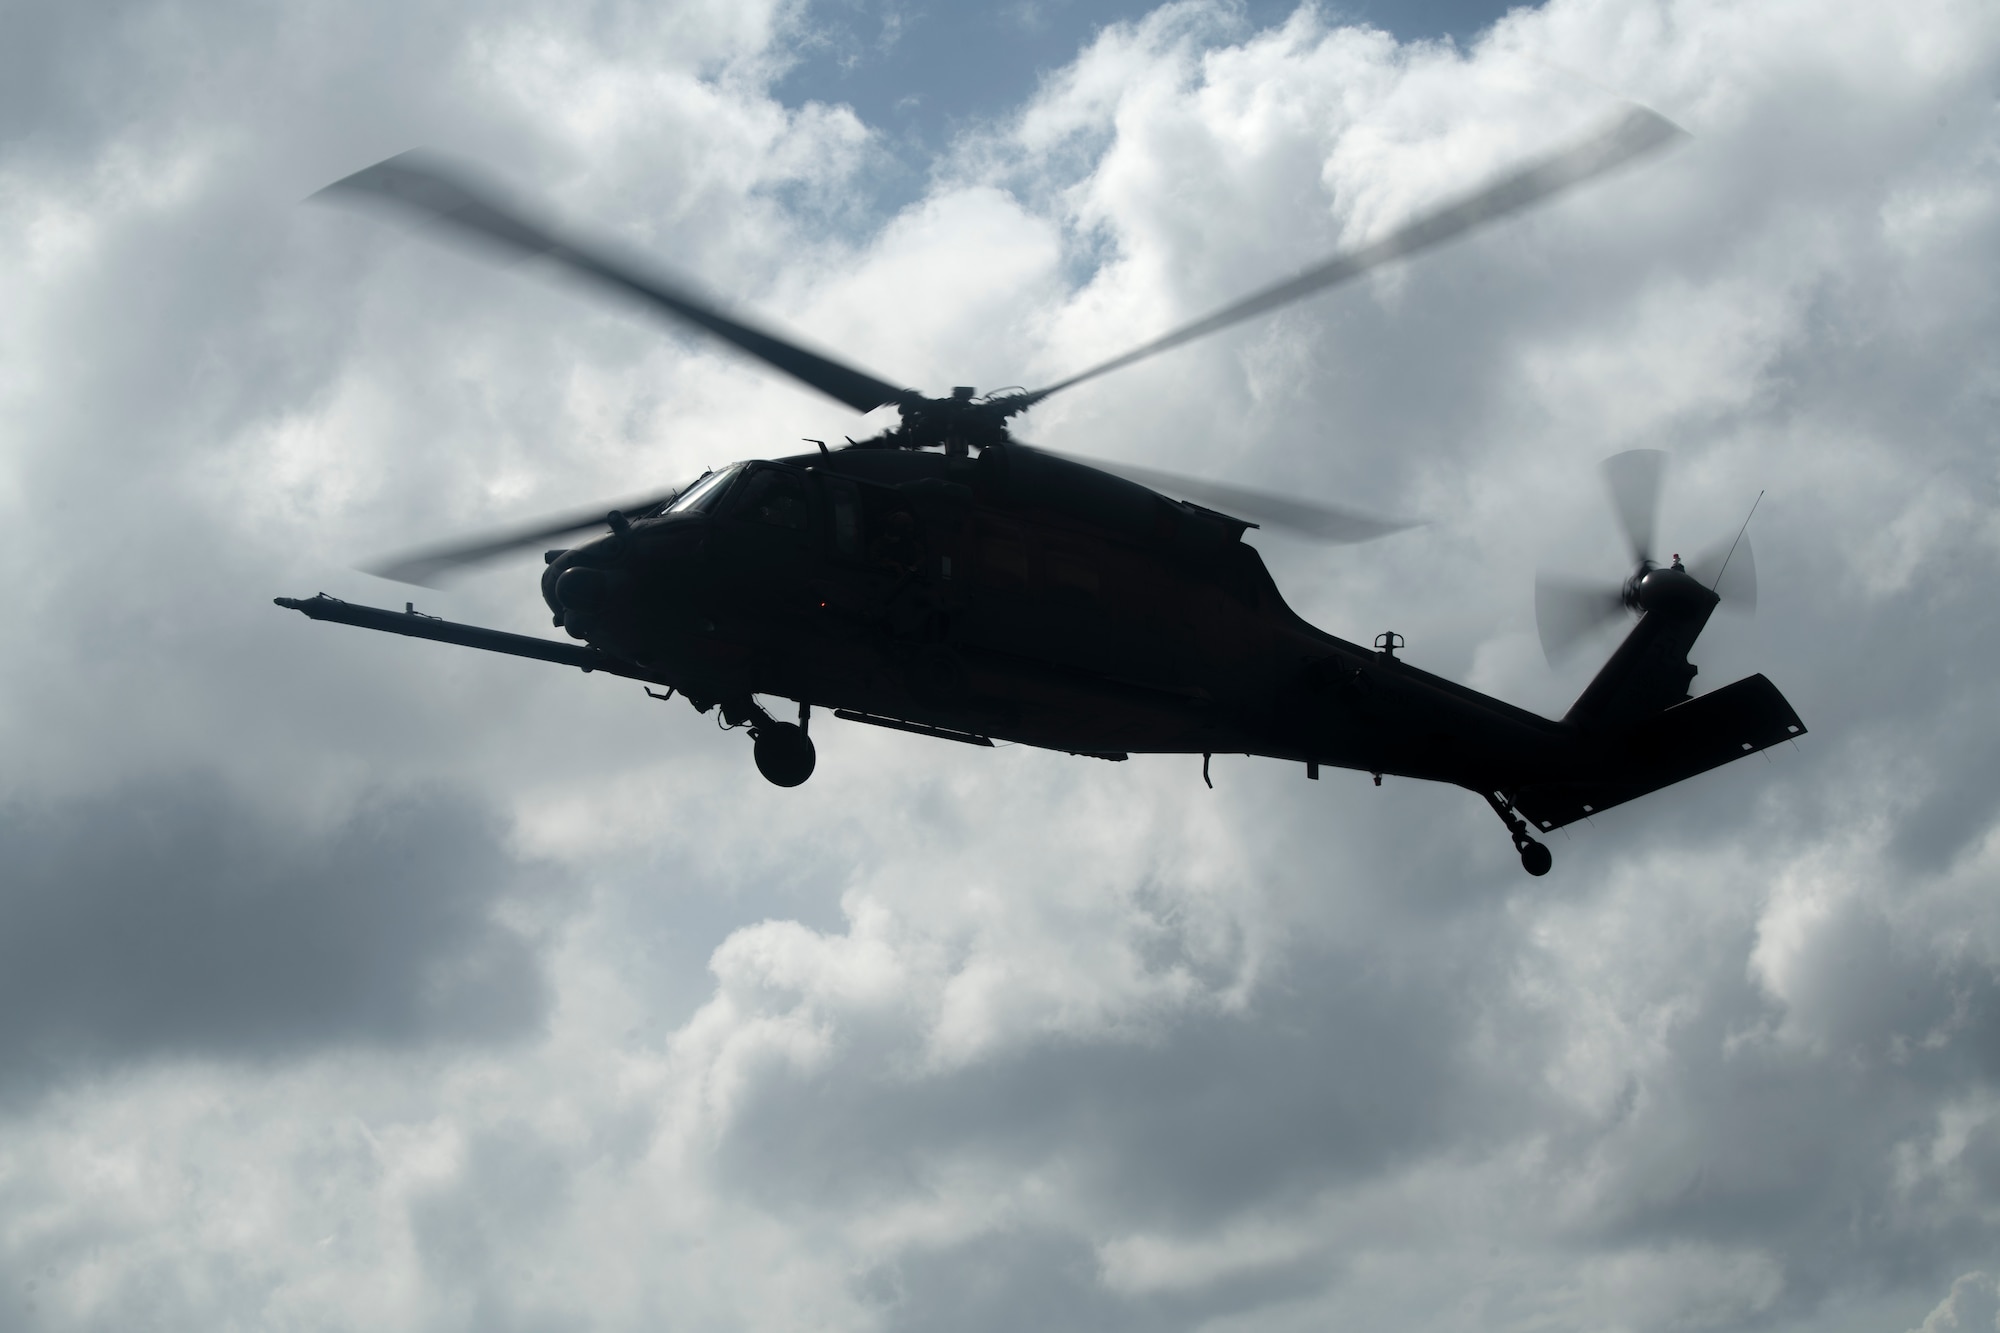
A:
[1649,671]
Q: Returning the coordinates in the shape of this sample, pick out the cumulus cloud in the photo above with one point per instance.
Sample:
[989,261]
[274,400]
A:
[1971,1305]
[611,1033]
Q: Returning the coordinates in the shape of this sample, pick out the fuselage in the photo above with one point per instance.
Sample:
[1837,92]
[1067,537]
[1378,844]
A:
[1019,596]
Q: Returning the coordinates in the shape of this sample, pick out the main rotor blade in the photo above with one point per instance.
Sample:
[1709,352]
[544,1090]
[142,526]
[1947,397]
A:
[1730,574]
[432,188]
[428,565]
[1633,478]
[1566,612]
[1322,522]
[1634,134]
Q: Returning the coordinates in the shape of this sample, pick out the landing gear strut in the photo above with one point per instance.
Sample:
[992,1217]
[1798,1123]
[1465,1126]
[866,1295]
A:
[783,751]
[1535,858]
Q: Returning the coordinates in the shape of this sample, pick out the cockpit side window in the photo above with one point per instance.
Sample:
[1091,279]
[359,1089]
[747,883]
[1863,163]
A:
[776,497]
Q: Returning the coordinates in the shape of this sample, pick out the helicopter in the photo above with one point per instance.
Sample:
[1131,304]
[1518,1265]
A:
[945,579]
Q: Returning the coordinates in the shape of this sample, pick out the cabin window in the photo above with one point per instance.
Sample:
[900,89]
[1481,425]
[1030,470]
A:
[846,517]
[775,497]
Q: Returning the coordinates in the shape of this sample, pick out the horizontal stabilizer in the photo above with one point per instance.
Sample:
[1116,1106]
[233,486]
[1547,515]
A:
[1677,743]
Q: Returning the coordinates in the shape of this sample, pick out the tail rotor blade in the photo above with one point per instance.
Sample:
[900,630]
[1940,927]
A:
[1633,478]
[1567,612]
[1737,584]
[1729,574]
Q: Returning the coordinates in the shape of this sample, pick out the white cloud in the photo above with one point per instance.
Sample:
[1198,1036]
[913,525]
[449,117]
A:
[1971,1305]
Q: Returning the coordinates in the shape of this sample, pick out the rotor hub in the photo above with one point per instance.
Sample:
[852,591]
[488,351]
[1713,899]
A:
[958,424]
[1673,591]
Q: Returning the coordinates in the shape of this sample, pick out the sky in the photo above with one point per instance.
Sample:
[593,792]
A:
[349,981]
[918,75]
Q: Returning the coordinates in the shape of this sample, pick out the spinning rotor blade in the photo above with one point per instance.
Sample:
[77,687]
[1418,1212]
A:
[1633,478]
[1634,134]
[1729,574]
[1567,612]
[428,565]
[432,189]
[1322,522]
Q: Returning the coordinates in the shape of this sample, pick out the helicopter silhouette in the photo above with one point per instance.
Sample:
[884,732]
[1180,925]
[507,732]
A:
[945,579]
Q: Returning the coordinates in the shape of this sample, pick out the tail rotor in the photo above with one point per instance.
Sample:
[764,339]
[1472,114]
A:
[1568,611]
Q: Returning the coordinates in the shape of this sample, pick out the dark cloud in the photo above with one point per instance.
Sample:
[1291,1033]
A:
[172,918]
[1746,1139]
[1351,1064]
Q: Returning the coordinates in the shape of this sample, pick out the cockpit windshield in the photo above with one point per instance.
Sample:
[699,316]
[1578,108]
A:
[703,493]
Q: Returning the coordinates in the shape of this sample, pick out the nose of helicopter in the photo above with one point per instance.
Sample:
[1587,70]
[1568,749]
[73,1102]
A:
[582,581]
[585,589]
[558,563]
[594,588]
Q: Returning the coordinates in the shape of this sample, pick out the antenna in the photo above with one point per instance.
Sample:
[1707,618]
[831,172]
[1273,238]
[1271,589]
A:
[1738,542]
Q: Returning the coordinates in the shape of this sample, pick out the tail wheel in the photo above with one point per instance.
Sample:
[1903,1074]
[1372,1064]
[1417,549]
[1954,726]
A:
[1535,858]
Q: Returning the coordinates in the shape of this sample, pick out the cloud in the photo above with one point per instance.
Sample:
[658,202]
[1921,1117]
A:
[170,919]
[597,1026]
[1971,1305]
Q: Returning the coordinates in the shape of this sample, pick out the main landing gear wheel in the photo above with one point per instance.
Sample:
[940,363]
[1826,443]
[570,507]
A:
[1535,858]
[784,753]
